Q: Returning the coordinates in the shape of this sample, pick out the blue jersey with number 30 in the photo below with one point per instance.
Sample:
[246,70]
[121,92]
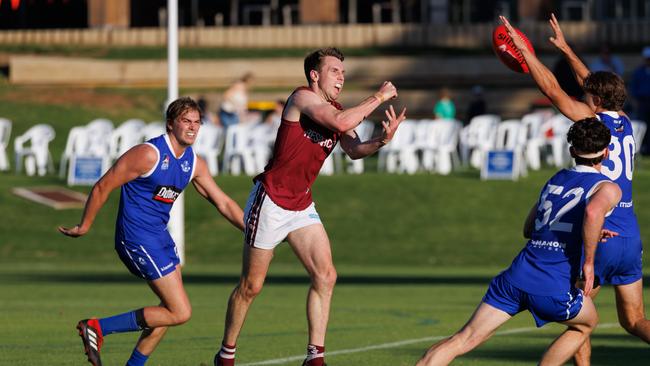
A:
[619,167]
[550,262]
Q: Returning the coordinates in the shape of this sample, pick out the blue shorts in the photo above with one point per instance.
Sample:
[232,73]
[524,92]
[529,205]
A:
[618,261]
[151,260]
[545,309]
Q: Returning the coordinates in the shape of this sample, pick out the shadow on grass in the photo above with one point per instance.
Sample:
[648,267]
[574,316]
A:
[211,279]
[278,279]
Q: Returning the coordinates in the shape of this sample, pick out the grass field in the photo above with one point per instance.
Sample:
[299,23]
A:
[414,256]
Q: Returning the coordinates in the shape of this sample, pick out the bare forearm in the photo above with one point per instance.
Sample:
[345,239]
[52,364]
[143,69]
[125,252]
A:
[232,212]
[94,203]
[544,78]
[579,68]
[350,118]
[591,235]
[366,148]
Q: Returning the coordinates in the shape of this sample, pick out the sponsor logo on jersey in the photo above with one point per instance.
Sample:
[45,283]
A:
[165,162]
[550,245]
[319,139]
[625,204]
[142,261]
[166,194]
[185,166]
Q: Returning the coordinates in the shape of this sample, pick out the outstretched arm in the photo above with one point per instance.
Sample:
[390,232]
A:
[579,68]
[326,115]
[207,188]
[546,81]
[606,197]
[357,149]
[135,162]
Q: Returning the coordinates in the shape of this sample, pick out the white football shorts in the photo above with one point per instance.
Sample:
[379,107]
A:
[267,224]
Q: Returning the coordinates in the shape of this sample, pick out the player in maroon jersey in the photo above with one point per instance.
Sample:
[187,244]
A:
[280,205]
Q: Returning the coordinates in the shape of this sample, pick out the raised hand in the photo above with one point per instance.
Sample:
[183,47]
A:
[516,39]
[391,126]
[386,91]
[558,39]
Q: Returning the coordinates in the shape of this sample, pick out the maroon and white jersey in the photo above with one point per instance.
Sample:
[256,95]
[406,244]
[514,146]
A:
[300,149]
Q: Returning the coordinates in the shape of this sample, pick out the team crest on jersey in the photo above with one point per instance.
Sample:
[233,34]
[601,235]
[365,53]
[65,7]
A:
[185,166]
[165,162]
[166,194]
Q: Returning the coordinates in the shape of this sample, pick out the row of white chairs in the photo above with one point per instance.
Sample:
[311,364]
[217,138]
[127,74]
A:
[418,145]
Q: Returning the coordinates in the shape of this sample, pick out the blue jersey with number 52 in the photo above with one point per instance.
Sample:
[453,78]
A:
[550,262]
[619,167]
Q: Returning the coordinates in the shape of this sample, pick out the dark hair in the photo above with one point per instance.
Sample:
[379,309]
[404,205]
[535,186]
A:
[588,136]
[178,107]
[609,87]
[314,59]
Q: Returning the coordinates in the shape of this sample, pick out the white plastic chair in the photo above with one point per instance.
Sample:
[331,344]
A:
[559,125]
[534,138]
[237,151]
[442,153]
[5,133]
[511,135]
[639,128]
[76,144]
[153,129]
[262,138]
[32,148]
[125,136]
[399,155]
[477,138]
[99,137]
[208,145]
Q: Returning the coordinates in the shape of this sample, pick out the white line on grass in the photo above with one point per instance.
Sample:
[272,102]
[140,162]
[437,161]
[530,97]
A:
[279,361]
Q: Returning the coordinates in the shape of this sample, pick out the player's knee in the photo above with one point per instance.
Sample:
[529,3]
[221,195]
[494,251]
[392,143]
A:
[629,323]
[325,279]
[182,315]
[250,289]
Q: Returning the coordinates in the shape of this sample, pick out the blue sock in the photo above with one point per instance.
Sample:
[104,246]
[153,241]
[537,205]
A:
[137,359]
[120,323]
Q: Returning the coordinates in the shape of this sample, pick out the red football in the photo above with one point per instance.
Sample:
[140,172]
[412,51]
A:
[506,50]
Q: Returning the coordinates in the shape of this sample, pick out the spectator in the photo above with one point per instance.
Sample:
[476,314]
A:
[274,117]
[477,105]
[444,108]
[234,106]
[640,90]
[206,115]
[607,62]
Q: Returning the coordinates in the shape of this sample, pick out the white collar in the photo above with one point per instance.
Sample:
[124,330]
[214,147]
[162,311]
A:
[611,114]
[584,169]
[169,145]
